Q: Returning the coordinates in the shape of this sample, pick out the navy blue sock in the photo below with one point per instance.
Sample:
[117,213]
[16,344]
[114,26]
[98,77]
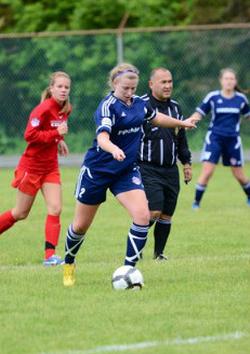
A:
[137,238]
[199,191]
[161,233]
[72,245]
[246,188]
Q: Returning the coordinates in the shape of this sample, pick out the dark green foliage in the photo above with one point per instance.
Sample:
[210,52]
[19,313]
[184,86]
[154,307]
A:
[194,57]
[61,15]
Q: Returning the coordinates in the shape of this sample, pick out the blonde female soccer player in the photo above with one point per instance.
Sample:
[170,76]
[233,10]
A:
[38,166]
[111,164]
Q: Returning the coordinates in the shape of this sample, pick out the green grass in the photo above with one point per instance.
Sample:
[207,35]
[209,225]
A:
[203,290]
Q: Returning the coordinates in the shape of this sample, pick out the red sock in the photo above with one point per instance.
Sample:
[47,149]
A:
[52,233]
[6,221]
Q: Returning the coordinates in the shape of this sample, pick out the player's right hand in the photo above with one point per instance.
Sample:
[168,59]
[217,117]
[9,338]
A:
[190,123]
[63,128]
[118,154]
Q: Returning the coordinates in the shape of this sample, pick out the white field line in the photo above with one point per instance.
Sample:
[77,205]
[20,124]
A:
[153,344]
[228,257]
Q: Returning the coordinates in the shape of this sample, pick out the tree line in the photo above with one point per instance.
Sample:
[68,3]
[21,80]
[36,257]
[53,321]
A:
[62,15]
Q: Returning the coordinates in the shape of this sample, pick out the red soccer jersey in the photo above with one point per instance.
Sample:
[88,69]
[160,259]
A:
[41,154]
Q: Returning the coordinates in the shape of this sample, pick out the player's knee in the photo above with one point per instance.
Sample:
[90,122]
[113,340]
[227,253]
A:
[239,175]
[241,180]
[80,228]
[55,210]
[204,179]
[20,214]
[142,217]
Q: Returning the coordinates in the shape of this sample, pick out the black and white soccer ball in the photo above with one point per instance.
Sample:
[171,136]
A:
[127,277]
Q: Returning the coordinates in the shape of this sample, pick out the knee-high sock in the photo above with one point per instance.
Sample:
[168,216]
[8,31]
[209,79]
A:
[246,188]
[52,233]
[72,245]
[161,233]
[199,191]
[6,221]
[137,238]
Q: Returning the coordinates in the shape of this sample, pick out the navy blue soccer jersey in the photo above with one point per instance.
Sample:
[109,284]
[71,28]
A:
[124,124]
[225,112]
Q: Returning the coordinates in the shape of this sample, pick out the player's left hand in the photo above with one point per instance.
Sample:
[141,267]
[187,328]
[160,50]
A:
[63,148]
[187,171]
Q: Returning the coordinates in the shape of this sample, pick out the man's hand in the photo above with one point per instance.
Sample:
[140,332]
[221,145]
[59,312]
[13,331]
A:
[187,171]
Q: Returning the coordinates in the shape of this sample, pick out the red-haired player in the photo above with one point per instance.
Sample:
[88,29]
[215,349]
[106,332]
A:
[38,165]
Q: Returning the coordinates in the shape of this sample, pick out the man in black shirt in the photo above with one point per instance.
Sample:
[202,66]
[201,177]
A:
[158,155]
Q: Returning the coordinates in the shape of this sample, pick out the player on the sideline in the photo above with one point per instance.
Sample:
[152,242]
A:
[111,164]
[158,155]
[38,165]
[223,136]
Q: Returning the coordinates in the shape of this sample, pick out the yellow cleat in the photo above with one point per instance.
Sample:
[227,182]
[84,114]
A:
[69,274]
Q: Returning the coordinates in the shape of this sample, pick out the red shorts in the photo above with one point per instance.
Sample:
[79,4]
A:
[30,183]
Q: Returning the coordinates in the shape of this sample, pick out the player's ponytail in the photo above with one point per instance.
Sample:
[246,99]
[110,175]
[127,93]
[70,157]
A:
[240,89]
[45,94]
[66,108]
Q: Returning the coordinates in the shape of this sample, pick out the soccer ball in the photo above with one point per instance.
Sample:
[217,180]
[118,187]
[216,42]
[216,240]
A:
[127,277]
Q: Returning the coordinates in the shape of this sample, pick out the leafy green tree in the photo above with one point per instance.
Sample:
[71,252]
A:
[194,57]
[61,15]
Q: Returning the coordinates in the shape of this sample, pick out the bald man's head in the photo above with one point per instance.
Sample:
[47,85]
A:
[161,83]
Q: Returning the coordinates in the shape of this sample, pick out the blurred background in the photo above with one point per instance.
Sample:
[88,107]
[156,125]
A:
[193,39]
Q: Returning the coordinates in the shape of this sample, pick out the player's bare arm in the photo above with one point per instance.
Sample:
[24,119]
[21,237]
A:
[165,121]
[104,142]
[63,148]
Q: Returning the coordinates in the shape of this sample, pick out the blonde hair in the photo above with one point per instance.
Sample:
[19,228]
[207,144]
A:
[121,69]
[47,93]
[232,71]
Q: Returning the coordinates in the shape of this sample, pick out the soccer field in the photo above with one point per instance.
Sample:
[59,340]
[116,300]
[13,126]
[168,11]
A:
[196,303]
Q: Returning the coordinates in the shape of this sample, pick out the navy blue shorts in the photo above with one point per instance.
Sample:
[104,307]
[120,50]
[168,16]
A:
[229,148]
[92,186]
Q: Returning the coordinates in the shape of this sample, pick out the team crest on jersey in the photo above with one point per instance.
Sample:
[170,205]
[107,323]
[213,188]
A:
[35,122]
[136,180]
[219,101]
[233,161]
[123,114]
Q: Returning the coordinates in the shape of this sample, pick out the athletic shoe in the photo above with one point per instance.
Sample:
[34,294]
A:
[53,261]
[195,206]
[161,258]
[69,274]
[248,201]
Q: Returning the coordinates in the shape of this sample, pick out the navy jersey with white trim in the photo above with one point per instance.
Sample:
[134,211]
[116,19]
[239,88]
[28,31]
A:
[225,112]
[124,124]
